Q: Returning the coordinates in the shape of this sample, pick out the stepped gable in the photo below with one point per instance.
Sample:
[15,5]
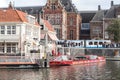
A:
[69,6]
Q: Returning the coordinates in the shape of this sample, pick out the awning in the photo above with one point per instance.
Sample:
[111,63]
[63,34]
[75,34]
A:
[52,36]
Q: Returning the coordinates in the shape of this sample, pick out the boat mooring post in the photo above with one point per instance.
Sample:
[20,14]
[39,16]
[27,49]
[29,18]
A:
[46,56]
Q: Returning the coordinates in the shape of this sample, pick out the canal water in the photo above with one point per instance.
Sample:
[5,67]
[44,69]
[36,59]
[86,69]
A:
[109,70]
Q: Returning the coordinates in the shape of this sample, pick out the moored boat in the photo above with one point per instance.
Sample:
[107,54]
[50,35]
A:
[88,59]
[63,60]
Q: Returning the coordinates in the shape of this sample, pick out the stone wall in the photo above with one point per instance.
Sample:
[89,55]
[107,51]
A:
[90,51]
[102,52]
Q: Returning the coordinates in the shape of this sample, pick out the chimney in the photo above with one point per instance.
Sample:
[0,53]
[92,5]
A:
[10,6]
[112,3]
[99,7]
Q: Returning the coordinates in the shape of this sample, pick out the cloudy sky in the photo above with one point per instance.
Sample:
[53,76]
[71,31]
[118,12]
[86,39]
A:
[80,4]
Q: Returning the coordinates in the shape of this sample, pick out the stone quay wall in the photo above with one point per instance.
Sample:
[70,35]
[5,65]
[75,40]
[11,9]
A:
[103,51]
[91,51]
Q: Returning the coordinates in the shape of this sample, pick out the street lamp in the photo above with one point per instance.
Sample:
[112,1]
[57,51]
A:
[103,27]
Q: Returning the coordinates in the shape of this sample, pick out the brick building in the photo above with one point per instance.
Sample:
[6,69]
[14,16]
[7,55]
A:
[71,24]
[64,17]
[102,20]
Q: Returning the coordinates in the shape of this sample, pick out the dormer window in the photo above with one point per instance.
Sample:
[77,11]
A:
[31,19]
[53,7]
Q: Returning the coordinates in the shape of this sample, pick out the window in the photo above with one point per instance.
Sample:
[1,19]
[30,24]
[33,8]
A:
[71,34]
[71,21]
[58,33]
[13,29]
[8,48]
[96,43]
[8,29]
[53,7]
[90,43]
[11,48]
[100,43]
[1,48]
[106,35]
[85,26]
[52,21]
[96,30]
[57,21]
[2,28]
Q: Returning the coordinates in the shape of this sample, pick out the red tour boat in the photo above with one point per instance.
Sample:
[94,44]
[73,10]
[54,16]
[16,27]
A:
[63,60]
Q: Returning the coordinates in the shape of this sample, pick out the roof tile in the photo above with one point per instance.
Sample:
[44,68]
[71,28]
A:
[13,15]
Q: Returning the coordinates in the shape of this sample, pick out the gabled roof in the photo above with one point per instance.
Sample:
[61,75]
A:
[68,5]
[111,12]
[99,15]
[13,15]
[48,25]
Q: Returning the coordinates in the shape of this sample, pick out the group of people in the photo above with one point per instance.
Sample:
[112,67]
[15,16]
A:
[111,45]
[54,53]
[70,44]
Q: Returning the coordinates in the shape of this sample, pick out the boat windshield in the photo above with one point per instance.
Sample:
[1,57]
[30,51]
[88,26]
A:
[61,58]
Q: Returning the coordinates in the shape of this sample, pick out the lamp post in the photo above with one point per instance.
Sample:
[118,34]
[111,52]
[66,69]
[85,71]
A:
[103,26]
[46,60]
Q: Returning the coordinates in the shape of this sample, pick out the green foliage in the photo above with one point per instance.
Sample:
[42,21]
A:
[114,30]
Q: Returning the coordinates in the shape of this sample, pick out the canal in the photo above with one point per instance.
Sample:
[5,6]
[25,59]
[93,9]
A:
[109,70]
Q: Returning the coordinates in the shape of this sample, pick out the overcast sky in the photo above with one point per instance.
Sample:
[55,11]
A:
[81,5]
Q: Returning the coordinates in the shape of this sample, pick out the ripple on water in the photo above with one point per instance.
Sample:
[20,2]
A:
[98,71]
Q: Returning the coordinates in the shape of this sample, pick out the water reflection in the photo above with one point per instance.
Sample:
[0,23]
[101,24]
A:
[96,71]
[78,72]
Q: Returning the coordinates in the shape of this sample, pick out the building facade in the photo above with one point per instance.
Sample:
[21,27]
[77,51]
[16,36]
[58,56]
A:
[87,16]
[102,20]
[48,37]
[70,25]
[19,32]
[64,17]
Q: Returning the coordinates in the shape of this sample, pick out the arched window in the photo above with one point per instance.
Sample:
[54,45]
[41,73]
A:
[71,21]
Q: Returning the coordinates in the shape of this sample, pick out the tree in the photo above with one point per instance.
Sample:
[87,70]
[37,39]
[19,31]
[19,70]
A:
[114,30]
